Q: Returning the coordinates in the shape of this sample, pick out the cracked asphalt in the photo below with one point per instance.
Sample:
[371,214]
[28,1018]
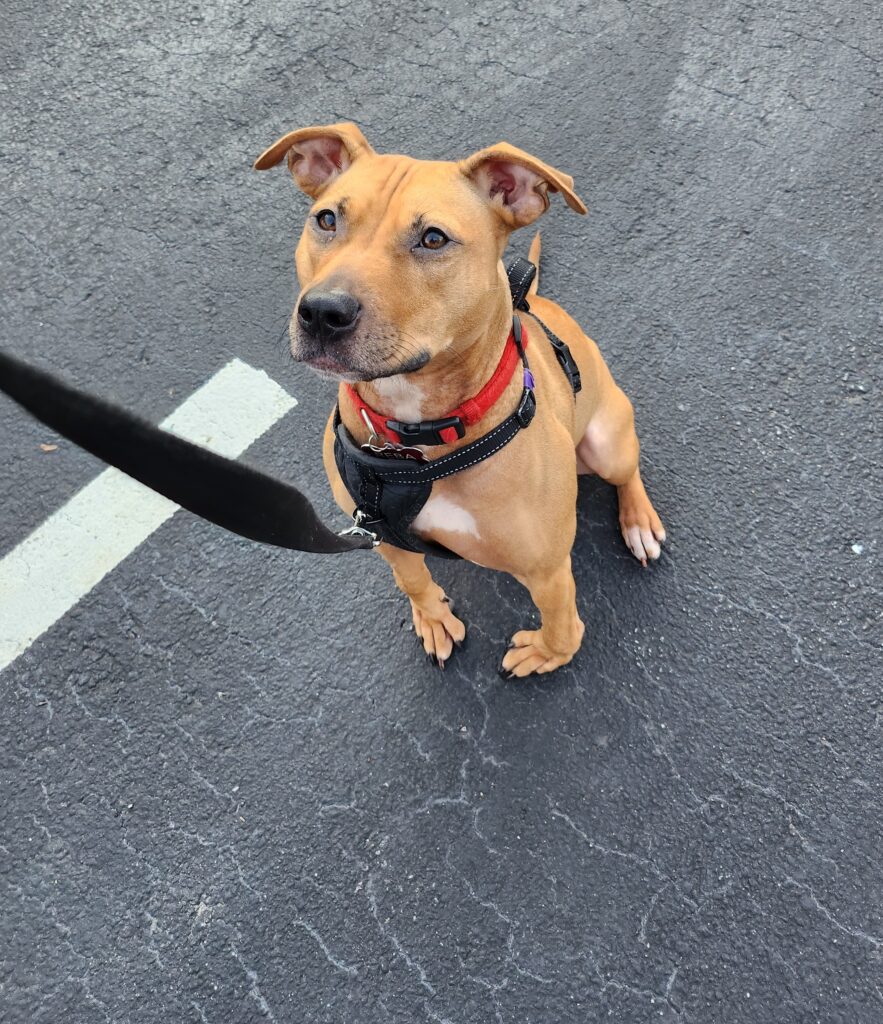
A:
[232,789]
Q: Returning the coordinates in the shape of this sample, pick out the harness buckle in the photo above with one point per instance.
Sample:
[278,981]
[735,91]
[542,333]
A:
[568,363]
[357,530]
[428,431]
[526,408]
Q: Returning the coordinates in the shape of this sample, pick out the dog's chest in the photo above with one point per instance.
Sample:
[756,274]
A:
[402,399]
[442,513]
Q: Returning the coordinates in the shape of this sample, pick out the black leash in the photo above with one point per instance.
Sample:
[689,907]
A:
[223,491]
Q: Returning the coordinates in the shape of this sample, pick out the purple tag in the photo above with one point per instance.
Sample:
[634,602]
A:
[529,382]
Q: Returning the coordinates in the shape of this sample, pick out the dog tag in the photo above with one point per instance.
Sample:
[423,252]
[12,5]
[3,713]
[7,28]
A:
[389,450]
[394,451]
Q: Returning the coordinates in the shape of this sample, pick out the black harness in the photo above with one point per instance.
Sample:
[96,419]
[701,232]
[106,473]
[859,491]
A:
[390,485]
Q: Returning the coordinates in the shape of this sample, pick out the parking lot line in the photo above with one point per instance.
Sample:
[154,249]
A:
[71,551]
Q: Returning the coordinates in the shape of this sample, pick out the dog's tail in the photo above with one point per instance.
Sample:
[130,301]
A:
[533,254]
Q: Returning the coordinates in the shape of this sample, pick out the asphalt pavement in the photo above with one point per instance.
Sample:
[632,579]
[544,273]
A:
[233,789]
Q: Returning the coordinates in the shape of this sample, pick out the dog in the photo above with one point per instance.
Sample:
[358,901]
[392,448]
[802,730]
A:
[404,300]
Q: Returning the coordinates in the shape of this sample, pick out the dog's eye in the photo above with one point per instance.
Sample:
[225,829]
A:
[326,220]
[433,238]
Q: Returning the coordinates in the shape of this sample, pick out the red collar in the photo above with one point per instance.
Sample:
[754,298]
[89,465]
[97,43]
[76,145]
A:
[453,426]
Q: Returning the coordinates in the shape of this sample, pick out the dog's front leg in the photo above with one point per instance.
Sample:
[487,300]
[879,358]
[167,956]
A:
[561,629]
[434,622]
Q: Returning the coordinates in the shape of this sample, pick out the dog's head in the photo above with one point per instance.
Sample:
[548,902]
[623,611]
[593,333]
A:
[399,257]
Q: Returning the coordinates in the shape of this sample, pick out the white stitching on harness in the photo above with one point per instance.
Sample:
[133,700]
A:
[524,276]
[474,462]
[418,476]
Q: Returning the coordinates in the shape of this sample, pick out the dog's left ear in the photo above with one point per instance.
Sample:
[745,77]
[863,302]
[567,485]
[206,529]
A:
[518,184]
[316,155]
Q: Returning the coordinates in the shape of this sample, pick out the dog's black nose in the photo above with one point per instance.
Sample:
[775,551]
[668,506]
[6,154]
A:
[328,316]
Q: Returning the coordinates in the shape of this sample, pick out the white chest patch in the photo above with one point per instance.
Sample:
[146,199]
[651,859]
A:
[403,399]
[440,513]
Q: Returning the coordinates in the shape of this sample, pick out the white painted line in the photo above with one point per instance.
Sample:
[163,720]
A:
[64,558]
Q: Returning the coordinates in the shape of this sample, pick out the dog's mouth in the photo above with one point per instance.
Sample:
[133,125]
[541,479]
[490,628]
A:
[326,364]
[340,361]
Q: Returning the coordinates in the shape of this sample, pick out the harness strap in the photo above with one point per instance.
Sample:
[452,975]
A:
[380,471]
[521,273]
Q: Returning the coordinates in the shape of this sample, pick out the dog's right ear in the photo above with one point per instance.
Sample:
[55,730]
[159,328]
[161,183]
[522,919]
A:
[316,156]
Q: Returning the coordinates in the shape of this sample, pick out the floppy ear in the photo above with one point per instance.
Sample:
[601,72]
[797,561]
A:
[316,155]
[517,184]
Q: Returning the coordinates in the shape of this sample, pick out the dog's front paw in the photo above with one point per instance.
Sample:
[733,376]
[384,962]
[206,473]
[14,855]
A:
[529,654]
[438,629]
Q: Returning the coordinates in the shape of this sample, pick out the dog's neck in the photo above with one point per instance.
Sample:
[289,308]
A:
[455,374]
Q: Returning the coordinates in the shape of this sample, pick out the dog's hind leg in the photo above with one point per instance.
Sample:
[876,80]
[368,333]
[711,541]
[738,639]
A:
[435,624]
[610,448]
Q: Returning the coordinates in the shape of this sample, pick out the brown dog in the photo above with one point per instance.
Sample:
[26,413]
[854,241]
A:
[405,296]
